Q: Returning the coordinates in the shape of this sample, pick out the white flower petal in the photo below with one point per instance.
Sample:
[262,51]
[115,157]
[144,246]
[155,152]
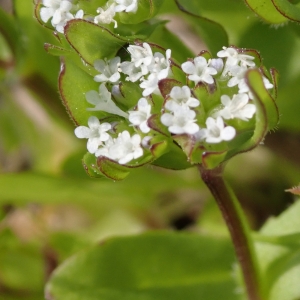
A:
[92,145]
[115,77]
[93,122]
[188,67]
[46,13]
[228,133]
[82,132]
[92,97]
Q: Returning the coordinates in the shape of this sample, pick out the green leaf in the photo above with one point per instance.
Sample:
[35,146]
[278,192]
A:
[55,50]
[211,159]
[279,254]
[140,189]
[89,162]
[163,37]
[174,159]
[130,93]
[147,9]
[112,169]
[287,9]
[155,123]
[93,41]
[159,266]
[267,11]
[213,34]
[73,84]
[267,115]
[90,6]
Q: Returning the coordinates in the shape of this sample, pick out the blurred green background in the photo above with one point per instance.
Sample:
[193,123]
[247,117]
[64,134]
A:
[50,209]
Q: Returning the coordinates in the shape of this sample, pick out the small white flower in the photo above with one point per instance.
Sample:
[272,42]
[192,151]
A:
[161,65]
[238,75]
[268,85]
[141,55]
[140,116]
[51,6]
[96,133]
[182,96]
[216,132]
[134,73]
[182,120]
[234,57]
[217,63]
[146,142]
[104,149]
[108,69]
[79,14]
[106,16]
[59,11]
[140,64]
[126,5]
[126,147]
[199,70]
[150,85]
[122,149]
[103,102]
[237,107]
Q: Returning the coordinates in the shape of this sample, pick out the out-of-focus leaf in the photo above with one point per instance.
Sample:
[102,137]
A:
[147,9]
[146,29]
[267,11]
[279,254]
[140,188]
[289,105]
[163,37]
[91,6]
[213,34]
[21,264]
[275,55]
[9,30]
[151,266]
[31,38]
[99,43]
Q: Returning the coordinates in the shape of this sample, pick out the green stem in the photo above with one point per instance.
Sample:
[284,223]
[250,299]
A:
[238,228]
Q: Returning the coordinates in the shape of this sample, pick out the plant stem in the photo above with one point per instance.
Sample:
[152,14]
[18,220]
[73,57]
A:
[238,228]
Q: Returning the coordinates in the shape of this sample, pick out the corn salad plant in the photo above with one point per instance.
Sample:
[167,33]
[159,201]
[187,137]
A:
[159,116]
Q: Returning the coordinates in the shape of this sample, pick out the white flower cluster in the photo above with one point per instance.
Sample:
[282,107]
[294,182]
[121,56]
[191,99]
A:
[181,111]
[146,67]
[62,11]
[236,66]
